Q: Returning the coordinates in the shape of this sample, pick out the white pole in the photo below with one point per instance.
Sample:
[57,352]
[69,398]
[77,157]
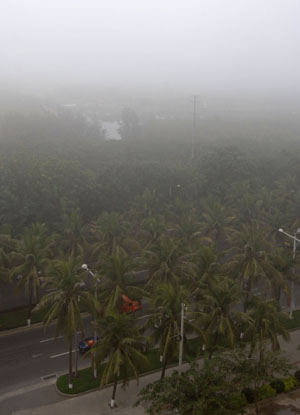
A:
[292,285]
[181,339]
[292,307]
[95,332]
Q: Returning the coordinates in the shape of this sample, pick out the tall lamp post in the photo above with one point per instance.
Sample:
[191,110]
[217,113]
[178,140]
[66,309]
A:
[295,240]
[86,268]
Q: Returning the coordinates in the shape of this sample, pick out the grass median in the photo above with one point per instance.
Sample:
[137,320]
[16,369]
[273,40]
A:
[86,381]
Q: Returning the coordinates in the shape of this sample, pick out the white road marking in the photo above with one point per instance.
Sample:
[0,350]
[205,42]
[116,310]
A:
[60,354]
[52,338]
[145,316]
[35,356]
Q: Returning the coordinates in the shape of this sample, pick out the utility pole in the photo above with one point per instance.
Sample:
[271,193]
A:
[194,125]
[295,240]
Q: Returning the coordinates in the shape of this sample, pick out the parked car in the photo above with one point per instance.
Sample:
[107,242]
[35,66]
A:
[86,344]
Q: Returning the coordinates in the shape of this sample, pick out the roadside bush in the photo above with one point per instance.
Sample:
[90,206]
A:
[249,395]
[237,401]
[266,391]
[297,375]
[290,383]
[278,385]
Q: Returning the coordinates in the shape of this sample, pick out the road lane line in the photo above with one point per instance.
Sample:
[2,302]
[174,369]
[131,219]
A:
[49,340]
[145,316]
[60,354]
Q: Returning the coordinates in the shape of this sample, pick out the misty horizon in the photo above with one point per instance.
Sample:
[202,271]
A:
[191,47]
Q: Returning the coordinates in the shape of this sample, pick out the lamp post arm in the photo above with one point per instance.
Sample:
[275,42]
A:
[290,236]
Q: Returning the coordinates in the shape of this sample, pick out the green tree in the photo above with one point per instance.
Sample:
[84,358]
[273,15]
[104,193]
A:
[32,254]
[208,390]
[169,261]
[267,324]
[256,372]
[120,346]
[166,317]
[218,318]
[253,263]
[61,303]
[117,272]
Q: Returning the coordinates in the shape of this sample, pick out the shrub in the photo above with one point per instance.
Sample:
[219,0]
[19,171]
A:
[237,401]
[278,385]
[266,391]
[290,383]
[249,395]
[297,375]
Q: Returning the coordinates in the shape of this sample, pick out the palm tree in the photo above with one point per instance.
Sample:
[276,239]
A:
[32,255]
[254,263]
[62,302]
[121,346]
[166,318]
[188,229]
[218,223]
[268,324]
[117,275]
[73,239]
[152,228]
[218,317]
[169,261]
[109,231]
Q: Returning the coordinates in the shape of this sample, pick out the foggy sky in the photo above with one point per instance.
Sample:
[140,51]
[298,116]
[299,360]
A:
[194,44]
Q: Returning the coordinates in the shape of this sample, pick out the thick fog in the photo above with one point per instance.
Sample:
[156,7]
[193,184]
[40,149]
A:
[195,45]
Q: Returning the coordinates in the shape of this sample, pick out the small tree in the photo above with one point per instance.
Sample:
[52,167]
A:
[205,391]
[255,372]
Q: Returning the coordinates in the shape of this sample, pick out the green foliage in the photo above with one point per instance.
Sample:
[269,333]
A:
[278,385]
[266,391]
[249,394]
[198,391]
[297,375]
[290,383]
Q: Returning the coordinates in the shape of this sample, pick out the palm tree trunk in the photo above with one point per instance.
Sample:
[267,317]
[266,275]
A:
[252,347]
[213,346]
[29,311]
[256,403]
[113,402]
[70,363]
[164,366]
[76,355]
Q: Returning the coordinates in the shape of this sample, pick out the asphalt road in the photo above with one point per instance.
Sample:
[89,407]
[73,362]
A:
[31,360]
[32,355]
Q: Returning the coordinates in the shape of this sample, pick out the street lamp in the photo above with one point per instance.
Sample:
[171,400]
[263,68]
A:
[86,268]
[295,240]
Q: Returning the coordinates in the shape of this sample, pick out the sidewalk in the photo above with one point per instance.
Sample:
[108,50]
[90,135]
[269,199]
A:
[97,402]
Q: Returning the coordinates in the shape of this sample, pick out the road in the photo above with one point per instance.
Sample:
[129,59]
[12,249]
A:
[30,362]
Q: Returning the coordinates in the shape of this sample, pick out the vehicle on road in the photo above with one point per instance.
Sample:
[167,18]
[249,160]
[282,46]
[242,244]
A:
[86,344]
[130,306]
